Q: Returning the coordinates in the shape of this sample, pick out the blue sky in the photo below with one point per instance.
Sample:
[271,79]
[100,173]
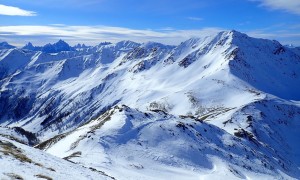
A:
[167,21]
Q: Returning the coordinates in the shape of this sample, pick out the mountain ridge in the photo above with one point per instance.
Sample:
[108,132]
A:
[228,91]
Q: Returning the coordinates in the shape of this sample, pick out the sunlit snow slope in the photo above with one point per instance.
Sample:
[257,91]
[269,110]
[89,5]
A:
[225,105]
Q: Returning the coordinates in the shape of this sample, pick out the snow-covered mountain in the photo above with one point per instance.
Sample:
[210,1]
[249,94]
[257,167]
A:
[226,105]
[57,47]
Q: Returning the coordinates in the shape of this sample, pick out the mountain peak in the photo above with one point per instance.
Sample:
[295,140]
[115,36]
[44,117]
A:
[80,46]
[233,34]
[29,46]
[237,34]
[5,45]
[57,47]
[61,42]
[126,44]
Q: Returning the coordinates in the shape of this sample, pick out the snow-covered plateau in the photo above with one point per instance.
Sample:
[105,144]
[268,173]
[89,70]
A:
[223,106]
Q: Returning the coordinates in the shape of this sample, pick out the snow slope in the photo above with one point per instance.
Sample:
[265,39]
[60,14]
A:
[23,162]
[132,144]
[243,91]
[20,135]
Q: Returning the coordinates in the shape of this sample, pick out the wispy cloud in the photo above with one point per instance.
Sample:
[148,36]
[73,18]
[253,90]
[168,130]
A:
[195,18]
[92,35]
[283,36]
[95,34]
[292,6]
[14,11]
[167,29]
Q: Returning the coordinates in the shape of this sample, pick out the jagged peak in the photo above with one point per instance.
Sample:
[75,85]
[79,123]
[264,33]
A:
[61,42]
[79,46]
[57,47]
[31,47]
[28,46]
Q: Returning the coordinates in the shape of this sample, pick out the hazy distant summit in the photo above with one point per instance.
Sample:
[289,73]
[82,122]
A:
[5,45]
[59,46]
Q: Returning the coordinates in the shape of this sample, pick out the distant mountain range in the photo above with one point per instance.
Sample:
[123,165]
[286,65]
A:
[48,48]
[223,106]
[63,46]
[51,48]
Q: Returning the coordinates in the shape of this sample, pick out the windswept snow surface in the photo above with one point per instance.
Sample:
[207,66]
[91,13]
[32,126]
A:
[223,106]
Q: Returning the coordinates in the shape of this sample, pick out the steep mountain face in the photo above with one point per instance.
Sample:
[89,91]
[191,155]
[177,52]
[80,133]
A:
[267,66]
[223,105]
[13,60]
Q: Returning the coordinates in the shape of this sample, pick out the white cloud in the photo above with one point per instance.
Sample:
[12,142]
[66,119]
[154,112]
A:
[292,6]
[283,36]
[92,35]
[14,11]
[195,18]
[96,34]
